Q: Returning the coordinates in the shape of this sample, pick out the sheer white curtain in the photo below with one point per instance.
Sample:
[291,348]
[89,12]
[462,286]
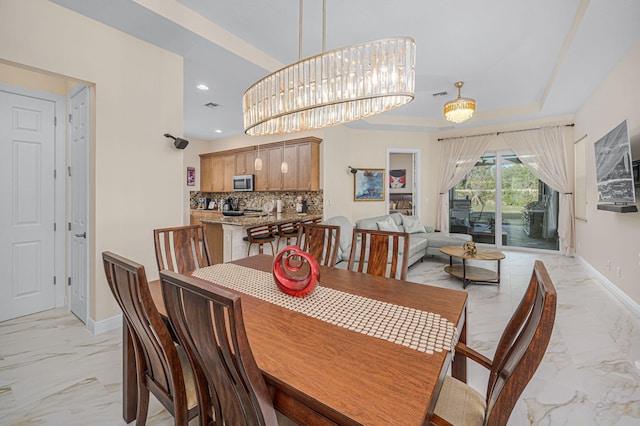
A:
[458,158]
[544,152]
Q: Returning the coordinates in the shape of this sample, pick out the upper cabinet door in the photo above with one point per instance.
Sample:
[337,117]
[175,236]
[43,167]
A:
[206,169]
[290,179]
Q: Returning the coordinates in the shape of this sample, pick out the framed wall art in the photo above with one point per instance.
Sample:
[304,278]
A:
[191,176]
[398,178]
[369,185]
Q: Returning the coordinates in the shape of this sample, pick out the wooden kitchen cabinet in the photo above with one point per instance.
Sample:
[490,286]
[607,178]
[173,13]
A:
[197,215]
[308,166]
[206,170]
[245,163]
[274,174]
[302,156]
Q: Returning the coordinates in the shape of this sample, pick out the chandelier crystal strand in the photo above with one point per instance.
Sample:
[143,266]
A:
[334,87]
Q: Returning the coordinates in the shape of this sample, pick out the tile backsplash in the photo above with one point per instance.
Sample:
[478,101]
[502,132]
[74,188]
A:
[255,200]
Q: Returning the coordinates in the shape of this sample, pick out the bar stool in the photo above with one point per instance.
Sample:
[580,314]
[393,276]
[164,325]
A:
[261,234]
[287,230]
[313,221]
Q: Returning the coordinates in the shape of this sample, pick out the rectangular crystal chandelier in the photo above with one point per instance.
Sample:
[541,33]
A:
[331,88]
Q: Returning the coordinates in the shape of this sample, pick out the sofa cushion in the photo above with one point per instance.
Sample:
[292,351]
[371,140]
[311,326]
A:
[412,225]
[388,224]
[372,222]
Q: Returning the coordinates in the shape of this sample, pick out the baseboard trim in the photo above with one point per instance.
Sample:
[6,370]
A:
[102,326]
[613,289]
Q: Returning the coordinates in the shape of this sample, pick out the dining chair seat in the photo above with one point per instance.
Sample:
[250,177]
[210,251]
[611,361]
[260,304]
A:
[460,404]
[520,350]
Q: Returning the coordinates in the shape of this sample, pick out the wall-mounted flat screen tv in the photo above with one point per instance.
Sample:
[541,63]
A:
[614,171]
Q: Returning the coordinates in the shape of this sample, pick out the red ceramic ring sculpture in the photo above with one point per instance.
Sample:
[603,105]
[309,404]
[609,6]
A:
[298,286]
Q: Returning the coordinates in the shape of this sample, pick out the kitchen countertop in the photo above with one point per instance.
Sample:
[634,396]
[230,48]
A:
[250,219]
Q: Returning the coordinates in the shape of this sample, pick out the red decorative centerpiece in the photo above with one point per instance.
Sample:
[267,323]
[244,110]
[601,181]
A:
[292,259]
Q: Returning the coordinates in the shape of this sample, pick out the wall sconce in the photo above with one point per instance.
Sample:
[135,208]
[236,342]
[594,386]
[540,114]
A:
[177,142]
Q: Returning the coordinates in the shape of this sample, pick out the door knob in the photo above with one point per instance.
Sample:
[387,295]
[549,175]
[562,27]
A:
[83,235]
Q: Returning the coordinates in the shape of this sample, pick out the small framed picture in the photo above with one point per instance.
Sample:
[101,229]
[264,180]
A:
[398,178]
[191,176]
[369,185]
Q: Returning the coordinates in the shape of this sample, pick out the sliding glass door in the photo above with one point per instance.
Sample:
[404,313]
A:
[501,203]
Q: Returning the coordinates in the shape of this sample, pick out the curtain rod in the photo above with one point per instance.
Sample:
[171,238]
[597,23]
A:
[507,131]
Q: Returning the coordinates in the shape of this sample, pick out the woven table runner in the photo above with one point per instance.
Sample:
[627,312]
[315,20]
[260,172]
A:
[423,331]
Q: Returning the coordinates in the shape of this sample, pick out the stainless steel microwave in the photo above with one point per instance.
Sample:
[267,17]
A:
[243,183]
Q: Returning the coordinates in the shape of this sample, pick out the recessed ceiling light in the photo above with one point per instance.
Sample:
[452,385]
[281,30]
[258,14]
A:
[202,87]
[218,131]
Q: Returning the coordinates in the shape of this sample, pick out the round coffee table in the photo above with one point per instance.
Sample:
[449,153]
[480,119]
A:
[472,274]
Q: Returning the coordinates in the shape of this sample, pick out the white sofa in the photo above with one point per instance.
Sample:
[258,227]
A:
[422,239]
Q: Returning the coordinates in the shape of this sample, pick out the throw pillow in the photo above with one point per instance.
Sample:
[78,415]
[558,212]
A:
[412,225]
[388,224]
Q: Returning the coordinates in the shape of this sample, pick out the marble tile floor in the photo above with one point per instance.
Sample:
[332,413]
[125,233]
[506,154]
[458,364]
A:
[53,372]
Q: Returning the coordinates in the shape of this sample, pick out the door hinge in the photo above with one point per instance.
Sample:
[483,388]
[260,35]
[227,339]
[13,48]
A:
[69,171]
[69,226]
[54,227]
[69,281]
[69,118]
[54,280]
[55,173]
[55,120]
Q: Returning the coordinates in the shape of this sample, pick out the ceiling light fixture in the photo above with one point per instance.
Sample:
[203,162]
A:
[461,109]
[333,87]
[202,87]
[257,164]
[284,167]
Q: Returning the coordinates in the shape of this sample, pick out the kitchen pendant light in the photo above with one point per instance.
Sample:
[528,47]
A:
[257,164]
[461,109]
[333,87]
[284,167]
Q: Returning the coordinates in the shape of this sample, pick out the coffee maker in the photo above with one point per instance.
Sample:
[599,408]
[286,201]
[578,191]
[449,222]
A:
[229,204]
[203,203]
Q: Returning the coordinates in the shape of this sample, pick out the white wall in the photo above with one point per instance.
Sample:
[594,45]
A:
[608,236]
[135,172]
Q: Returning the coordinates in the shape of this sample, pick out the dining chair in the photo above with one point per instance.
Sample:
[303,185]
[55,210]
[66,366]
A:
[287,230]
[518,355]
[321,241]
[181,248]
[162,367]
[381,253]
[208,321]
[261,234]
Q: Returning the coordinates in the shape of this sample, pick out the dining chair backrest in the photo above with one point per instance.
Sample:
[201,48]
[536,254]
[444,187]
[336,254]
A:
[181,248]
[382,253]
[160,368]
[521,347]
[321,241]
[208,320]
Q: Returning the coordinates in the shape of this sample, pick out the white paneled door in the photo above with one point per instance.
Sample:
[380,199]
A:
[27,143]
[78,201]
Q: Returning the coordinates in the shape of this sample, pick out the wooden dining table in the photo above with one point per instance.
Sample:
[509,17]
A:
[320,373]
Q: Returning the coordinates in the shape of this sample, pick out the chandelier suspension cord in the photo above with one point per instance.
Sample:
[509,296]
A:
[324,26]
[300,31]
